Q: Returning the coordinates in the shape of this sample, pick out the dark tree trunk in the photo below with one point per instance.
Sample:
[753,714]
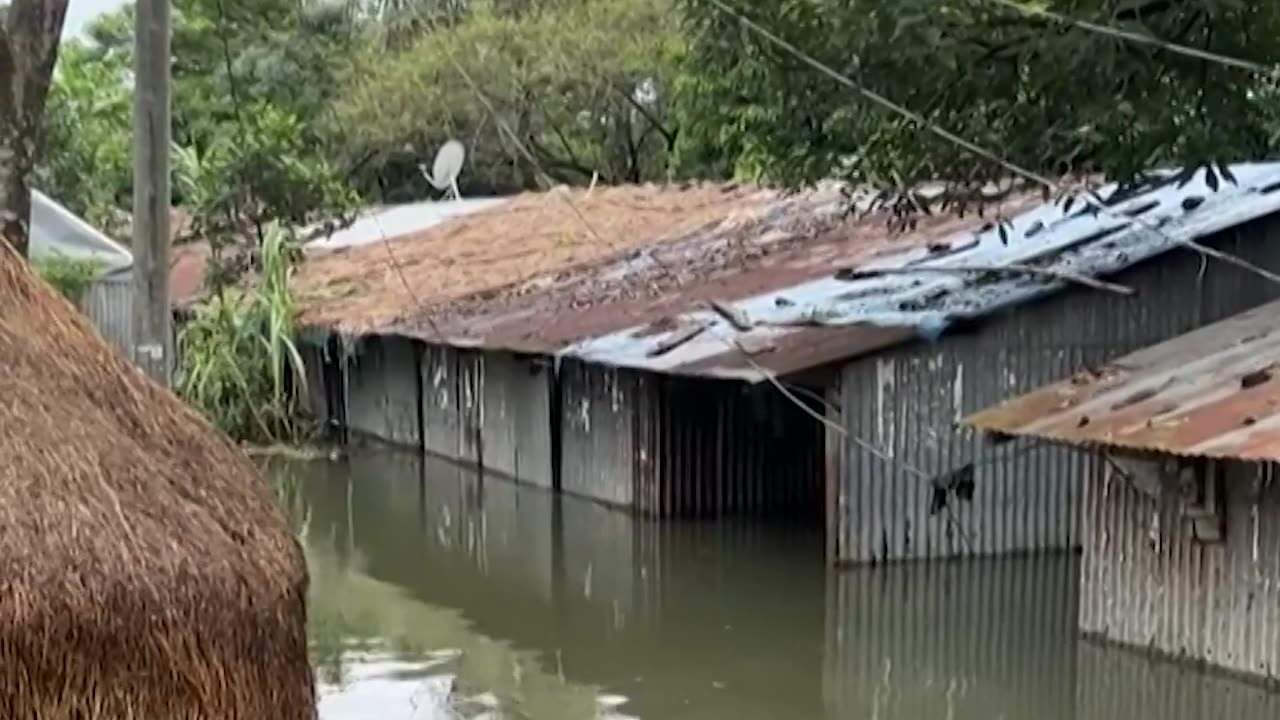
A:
[29,34]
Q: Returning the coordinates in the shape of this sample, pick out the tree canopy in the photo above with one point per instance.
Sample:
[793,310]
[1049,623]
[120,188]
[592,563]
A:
[580,83]
[1047,96]
[296,111]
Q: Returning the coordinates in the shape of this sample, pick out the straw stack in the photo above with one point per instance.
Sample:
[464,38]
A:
[145,571]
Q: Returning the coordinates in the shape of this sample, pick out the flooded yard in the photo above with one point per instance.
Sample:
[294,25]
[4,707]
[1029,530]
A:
[438,595]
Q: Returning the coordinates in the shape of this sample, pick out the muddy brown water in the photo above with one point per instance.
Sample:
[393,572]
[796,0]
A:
[437,595]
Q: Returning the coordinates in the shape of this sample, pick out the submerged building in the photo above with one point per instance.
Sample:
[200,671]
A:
[726,350]
[1182,521]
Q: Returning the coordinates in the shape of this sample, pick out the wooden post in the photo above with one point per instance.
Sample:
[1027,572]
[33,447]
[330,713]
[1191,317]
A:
[152,315]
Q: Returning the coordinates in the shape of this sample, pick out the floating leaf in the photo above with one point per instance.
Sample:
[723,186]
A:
[1225,170]
[1211,178]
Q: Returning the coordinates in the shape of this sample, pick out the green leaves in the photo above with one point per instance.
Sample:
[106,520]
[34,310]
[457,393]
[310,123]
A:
[239,363]
[1050,98]
[68,275]
[584,85]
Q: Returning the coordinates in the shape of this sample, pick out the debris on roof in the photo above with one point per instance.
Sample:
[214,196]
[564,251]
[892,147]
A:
[369,287]
[777,282]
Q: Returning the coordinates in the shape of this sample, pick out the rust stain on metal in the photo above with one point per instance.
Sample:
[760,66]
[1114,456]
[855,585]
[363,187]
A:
[1209,393]
[690,274]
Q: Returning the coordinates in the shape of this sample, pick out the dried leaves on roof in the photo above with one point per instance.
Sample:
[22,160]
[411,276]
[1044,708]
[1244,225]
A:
[532,235]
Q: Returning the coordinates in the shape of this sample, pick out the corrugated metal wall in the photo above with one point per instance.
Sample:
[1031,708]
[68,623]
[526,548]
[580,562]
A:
[441,420]
[108,303]
[903,407]
[729,449]
[1148,583]
[599,452]
[976,638]
[678,447]
[516,421]
[489,409]
[470,406]
[382,401]
[315,401]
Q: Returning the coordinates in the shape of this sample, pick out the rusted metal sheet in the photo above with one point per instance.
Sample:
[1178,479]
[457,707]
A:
[904,409]
[383,391]
[1148,582]
[969,639]
[784,287]
[1213,392]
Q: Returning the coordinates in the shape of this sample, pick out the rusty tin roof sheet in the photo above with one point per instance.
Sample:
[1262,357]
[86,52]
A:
[1214,392]
[752,285]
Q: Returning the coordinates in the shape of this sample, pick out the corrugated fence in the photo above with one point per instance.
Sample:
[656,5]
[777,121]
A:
[1149,583]
[905,407]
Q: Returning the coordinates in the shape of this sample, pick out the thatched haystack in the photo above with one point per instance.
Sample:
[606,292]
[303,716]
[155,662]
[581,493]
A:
[145,571]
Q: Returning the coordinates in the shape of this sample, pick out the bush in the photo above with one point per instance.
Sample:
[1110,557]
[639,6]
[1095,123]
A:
[70,276]
[238,361]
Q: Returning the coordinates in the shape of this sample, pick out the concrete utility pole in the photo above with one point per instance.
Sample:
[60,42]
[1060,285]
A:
[152,314]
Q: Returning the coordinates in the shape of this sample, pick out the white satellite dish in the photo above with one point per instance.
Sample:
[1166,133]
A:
[448,165]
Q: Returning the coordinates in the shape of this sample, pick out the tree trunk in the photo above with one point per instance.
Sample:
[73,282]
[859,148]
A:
[29,34]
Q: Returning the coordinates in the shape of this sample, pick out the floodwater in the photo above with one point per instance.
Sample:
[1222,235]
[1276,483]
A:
[438,596]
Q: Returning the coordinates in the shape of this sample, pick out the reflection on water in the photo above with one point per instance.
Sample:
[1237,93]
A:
[436,595]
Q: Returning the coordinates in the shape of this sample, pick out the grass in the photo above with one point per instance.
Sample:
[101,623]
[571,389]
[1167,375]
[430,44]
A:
[239,363]
[68,275]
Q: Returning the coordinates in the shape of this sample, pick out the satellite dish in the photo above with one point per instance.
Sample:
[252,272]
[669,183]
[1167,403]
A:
[445,170]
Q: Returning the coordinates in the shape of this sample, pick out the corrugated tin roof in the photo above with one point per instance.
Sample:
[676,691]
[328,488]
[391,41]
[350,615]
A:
[1214,392]
[779,274]
[55,229]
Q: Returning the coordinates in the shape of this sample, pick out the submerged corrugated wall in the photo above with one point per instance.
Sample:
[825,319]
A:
[489,409]
[441,419]
[903,407]
[1119,685]
[600,456]
[679,447]
[1147,581]
[382,399]
[315,400]
[515,424]
[974,638]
